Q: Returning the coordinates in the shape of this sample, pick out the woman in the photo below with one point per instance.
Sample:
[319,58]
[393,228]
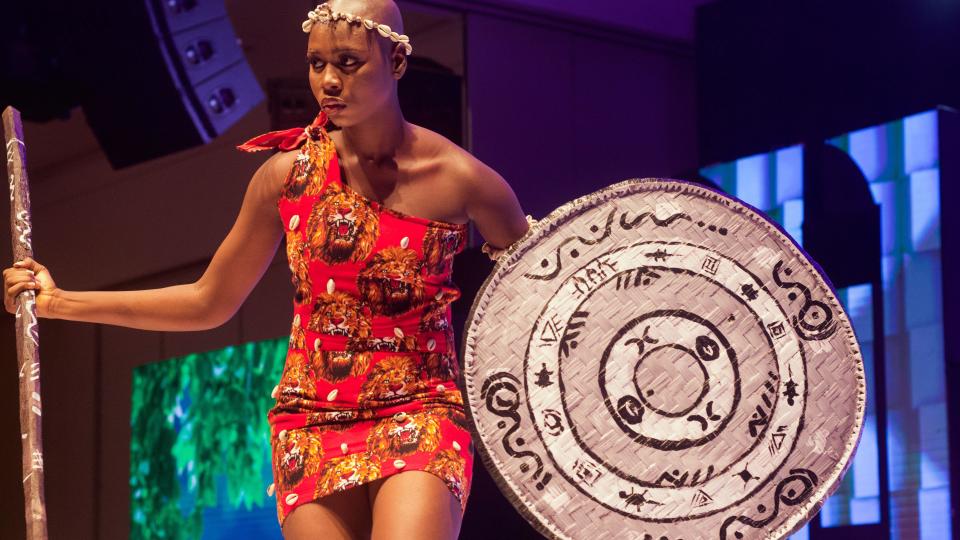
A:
[368,434]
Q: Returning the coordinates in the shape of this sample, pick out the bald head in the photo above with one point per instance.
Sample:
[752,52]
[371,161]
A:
[383,11]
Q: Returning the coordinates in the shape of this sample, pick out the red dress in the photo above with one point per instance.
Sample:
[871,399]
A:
[369,386]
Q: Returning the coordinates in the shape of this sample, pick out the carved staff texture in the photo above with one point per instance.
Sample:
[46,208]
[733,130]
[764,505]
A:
[28,339]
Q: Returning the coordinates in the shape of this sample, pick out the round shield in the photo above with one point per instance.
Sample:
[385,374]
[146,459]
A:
[659,360]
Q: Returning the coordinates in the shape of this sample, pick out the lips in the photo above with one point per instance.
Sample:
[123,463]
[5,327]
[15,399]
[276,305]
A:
[332,105]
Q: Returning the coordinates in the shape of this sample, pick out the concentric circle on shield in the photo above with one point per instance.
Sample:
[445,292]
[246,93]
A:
[670,379]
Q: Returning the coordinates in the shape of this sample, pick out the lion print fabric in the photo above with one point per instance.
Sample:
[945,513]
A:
[370,383]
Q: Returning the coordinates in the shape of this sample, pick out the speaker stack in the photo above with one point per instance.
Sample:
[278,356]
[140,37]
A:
[170,75]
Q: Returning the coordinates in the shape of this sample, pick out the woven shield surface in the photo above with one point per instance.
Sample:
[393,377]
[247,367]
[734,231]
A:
[657,360]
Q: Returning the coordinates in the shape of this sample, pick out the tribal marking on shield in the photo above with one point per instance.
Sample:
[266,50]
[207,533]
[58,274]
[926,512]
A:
[660,360]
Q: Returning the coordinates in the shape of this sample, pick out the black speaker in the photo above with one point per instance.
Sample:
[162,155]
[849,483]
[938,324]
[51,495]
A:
[163,76]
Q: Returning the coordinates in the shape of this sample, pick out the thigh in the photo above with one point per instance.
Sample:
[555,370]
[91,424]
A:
[339,516]
[414,504]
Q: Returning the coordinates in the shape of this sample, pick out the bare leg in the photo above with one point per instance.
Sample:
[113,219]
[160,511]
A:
[339,516]
[414,504]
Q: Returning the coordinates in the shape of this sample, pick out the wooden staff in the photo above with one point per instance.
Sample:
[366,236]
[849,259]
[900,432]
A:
[28,339]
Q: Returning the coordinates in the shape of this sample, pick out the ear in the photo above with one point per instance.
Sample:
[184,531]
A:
[398,61]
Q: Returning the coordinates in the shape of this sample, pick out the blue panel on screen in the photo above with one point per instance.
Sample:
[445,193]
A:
[922,289]
[934,505]
[802,534]
[868,148]
[859,306]
[789,174]
[792,219]
[925,210]
[885,195]
[920,142]
[866,483]
[753,180]
[926,348]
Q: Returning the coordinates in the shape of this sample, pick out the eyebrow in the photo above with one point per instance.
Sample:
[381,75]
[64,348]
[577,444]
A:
[338,49]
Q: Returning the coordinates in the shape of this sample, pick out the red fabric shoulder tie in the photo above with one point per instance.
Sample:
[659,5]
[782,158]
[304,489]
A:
[288,139]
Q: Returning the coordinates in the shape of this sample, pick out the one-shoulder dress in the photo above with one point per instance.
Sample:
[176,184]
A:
[370,381]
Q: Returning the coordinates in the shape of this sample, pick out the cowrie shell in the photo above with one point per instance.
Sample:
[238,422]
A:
[292,498]
[332,395]
[343,447]
[400,417]
[294,221]
[431,344]
[399,463]
[441,388]
[398,332]
[331,286]
[296,320]
[404,242]
[270,490]
[282,434]
[316,344]
[456,446]
[276,392]
[439,295]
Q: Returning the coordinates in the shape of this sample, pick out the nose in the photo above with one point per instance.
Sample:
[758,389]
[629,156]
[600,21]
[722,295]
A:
[331,82]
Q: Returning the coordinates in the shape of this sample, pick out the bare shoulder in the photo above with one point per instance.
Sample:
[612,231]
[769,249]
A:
[460,166]
[269,179]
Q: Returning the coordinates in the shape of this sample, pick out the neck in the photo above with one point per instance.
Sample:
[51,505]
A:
[380,136]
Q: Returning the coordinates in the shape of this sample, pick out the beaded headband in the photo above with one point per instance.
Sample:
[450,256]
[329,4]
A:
[323,13]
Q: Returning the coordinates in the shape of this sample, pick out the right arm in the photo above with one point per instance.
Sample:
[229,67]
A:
[212,300]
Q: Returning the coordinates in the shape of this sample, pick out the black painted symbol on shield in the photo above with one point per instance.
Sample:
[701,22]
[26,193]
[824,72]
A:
[586,472]
[707,348]
[675,479]
[710,265]
[635,277]
[701,499]
[659,255]
[761,417]
[748,291]
[791,392]
[757,421]
[703,421]
[639,342]
[569,341]
[776,439]
[543,377]
[776,329]
[790,491]
[552,422]
[630,409]
[815,319]
[746,476]
[551,332]
[637,499]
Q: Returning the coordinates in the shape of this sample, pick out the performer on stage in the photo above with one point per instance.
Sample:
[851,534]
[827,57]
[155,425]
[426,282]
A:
[373,213]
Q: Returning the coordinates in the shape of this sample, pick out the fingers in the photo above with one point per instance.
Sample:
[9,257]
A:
[27,263]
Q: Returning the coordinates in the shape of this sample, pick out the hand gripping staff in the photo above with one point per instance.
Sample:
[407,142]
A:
[28,339]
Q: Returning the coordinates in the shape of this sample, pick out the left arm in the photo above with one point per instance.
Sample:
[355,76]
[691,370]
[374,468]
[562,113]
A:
[493,206]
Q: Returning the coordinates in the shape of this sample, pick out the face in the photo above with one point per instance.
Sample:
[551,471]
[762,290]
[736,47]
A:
[347,63]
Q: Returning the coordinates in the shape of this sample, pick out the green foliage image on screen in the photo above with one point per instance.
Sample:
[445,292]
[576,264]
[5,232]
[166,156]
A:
[200,442]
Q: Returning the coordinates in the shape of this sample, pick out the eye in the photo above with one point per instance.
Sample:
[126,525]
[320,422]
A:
[348,61]
[315,63]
